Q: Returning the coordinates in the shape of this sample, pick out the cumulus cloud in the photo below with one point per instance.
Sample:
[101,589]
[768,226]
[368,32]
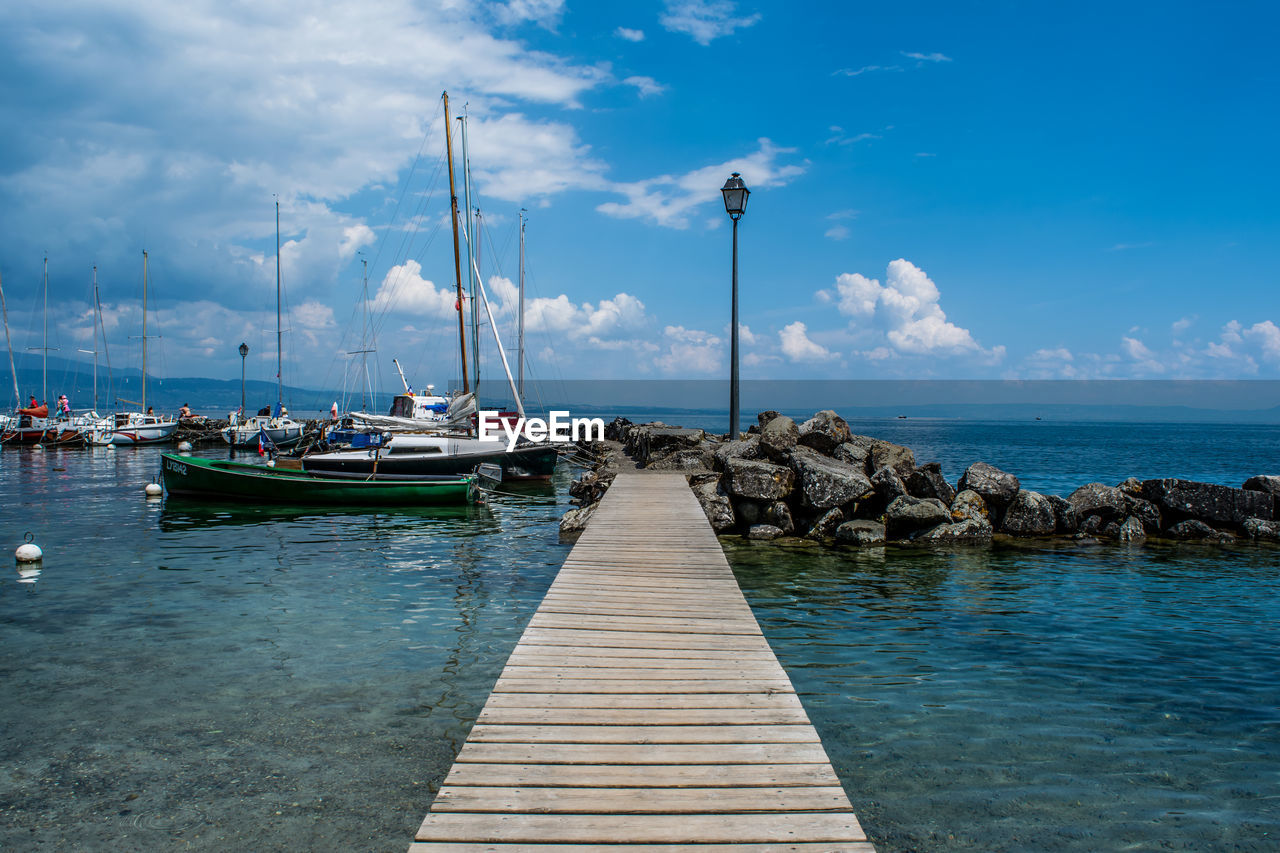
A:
[798,347]
[627,34]
[404,291]
[544,13]
[670,199]
[690,351]
[905,311]
[704,20]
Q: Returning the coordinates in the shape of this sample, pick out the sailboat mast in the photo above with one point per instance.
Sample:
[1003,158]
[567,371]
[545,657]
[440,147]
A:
[44,356]
[97,314]
[279,344]
[364,336]
[457,261]
[471,250]
[144,330]
[520,333]
[4,310]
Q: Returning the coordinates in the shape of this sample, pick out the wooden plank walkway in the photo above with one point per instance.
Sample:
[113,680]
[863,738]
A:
[643,709]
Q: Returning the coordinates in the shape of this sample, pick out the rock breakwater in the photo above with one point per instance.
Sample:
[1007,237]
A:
[818,480]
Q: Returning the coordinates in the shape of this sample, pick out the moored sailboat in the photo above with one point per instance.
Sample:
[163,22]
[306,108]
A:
[273,423]
[143,427]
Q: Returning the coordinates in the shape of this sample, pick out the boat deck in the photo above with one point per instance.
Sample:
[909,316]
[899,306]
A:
[643,709]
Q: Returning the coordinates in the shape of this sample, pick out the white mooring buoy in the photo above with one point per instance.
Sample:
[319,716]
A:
[184,447]
[154,490]
[29,552]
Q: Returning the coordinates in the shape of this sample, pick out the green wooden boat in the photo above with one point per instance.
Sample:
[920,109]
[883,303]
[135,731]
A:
[194,476]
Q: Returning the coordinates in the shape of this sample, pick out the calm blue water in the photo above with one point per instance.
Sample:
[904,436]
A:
[213,678]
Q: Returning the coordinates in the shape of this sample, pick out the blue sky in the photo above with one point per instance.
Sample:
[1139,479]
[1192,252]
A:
[1000,191]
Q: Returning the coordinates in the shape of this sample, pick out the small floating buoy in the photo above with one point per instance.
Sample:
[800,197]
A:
[111,447]
[154,490]
[184,446]
[29,552]
[37,447]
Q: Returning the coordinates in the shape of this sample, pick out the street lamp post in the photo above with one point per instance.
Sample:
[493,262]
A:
[244,351]
[735,204]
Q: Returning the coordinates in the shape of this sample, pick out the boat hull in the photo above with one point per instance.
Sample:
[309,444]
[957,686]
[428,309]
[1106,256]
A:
[282,432]
[197,477]
[534,462]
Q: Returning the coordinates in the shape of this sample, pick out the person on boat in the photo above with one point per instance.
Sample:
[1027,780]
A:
[33,402]
[184,413]
[151,410]
[64,406]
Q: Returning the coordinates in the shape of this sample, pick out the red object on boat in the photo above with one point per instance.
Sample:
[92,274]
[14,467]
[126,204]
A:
[36,411]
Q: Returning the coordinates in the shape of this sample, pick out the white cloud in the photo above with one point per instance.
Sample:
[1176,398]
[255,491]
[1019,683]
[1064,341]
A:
[866,69]
[1266,336]
[797,346]
[837,232]
[903,314]
[670,199]
[629,34]
[544,13]
[927,57]
[704,20]
[690,351]
[646,86]
[405,291]
[1182,325]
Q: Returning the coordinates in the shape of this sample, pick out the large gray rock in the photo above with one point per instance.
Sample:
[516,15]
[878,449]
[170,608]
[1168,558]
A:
[926,481]
[853,453]
[590,487]
[778,437]
[1269,484]
[746,448]
[1263,530]
[747,511]
[1185,499]
[764,532]
[889,486]
[762,481]
[970,531]
[652,441]
[1131,531]
[996,487]
[826,482]
[886,454]
[1191,529]
[683,459]
[907,515]
[861,532]
[969,504]
[575,521]
[1029,514]
[1106,502]
[1065,518]
[763,418]
[824,432]
[1131,486]
[714,501]
[824,526]
[1146,512]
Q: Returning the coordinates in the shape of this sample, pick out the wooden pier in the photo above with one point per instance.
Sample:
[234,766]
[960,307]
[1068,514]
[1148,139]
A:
[643,709]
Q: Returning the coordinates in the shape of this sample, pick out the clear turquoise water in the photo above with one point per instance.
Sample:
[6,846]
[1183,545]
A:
[180,676]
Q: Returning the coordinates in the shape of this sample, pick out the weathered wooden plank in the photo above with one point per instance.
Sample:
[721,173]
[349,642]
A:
[643,716]
[671,701]
[608,829]
[687,625]
[642,775]
[542,800]
[774,847]
[641,734]
[600,656]
[762,671]
[643,753]
[673,685]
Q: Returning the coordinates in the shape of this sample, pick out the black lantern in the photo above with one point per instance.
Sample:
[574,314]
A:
[735,196]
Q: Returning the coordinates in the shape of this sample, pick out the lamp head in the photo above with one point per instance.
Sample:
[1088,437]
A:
[735,196]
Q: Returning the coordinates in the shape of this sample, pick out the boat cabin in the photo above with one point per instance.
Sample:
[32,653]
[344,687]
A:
[419,407]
